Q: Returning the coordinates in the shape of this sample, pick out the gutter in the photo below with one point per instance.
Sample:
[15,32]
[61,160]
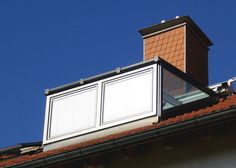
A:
[214,118]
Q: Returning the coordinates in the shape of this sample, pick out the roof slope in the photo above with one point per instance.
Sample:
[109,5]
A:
[221,106]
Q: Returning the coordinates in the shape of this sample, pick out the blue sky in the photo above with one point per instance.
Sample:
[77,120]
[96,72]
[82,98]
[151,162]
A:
[48,43]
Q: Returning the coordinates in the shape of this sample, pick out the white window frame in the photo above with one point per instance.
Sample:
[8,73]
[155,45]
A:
[99,84]
[123,77]
[48,113]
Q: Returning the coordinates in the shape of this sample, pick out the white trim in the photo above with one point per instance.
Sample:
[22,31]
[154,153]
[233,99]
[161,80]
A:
[45,130]
[98,124]
[48,112]
[125,77]
[159,90]
[99,97]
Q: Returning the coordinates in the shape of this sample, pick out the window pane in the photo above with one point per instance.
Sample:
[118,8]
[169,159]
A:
[73,112]
[177,91]
[128,96]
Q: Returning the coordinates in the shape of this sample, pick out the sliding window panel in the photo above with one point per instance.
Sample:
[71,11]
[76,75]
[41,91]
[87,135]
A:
[129,96]
[73,112]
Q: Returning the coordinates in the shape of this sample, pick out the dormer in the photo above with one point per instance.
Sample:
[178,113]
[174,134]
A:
[135,96]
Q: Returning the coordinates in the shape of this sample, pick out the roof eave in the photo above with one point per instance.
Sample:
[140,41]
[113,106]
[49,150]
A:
[173,129]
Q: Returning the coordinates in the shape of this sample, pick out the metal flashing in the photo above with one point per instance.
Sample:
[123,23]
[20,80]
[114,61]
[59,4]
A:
[100,76]
[172,23]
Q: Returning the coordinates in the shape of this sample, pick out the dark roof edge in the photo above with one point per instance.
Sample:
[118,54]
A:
[155,60]
[162,132]
[175,22]
[118,70]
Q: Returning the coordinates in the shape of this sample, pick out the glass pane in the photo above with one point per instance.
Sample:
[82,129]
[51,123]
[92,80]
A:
[129,96]
[177,91]
[74,112]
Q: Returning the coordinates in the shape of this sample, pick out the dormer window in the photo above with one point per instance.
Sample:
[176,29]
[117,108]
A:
[149,89]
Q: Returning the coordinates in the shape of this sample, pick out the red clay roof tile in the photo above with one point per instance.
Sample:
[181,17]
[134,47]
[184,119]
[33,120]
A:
[221,105]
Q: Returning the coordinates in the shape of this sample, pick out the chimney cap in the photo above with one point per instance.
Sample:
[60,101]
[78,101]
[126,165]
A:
[174,22]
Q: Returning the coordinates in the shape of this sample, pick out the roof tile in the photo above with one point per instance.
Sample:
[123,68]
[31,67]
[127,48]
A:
[223,104]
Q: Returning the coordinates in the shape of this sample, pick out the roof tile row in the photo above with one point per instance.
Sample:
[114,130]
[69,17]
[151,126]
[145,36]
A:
[223,104]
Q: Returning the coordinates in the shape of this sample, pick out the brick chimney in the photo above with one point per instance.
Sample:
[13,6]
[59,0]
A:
[181,43]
